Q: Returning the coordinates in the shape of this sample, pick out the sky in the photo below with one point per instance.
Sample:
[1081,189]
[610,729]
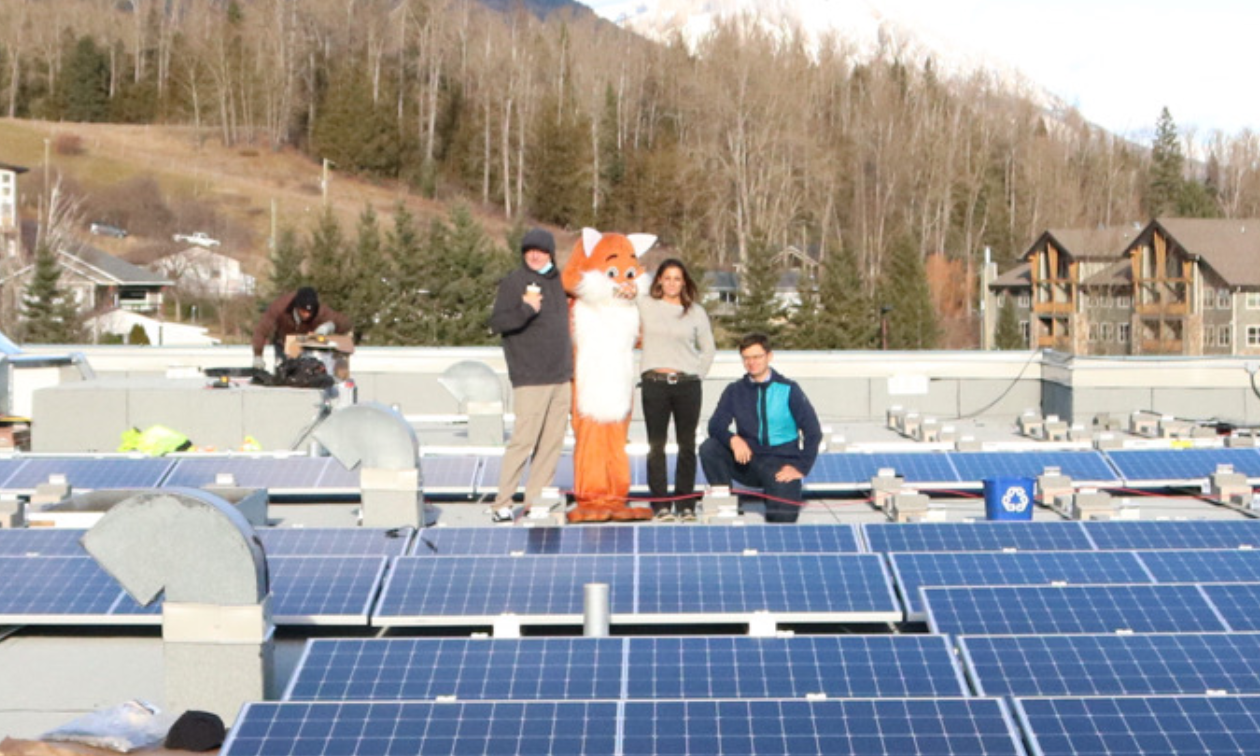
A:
[1118,61]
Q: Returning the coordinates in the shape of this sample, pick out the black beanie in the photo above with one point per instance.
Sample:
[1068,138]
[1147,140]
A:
[306,299]
[196,731]
[538,238]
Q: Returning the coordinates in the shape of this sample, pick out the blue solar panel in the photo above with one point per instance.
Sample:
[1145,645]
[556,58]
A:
[488,478]
[41,542]
[645,588]
[845,469]
[273,473]
[1182,464]
[638,472]
[450,475]
[1024,610]
[1174,534]
[1150,726]
[1079,465]
[846,666]
[506,541]
[7,468]
[976,568]
[1203,566]
[803,587]
[1112,665]
[874,727]
[976,536]
[88,473]
[336,541]
[837,666]
[57,590]
[324,590]
[763,539]
[1236,603]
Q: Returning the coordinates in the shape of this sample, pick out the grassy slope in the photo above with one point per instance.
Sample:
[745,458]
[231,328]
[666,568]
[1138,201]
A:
[240,182]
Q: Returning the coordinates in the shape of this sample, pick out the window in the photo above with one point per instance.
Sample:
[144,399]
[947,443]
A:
[1023,331]
[1253,336]
[1253,300]
[1223,335]
[1124,301]
[1209,301]
[1209,336]
[1023,300]
[1222,299]
[1122,333]
[1107,300]
[1093,332]
[1104,332]
[1087,301]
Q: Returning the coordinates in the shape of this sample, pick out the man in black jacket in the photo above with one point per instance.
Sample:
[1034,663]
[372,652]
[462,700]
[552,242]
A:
[531,312]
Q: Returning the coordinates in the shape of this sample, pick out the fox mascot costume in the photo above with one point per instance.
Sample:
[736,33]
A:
[604,277]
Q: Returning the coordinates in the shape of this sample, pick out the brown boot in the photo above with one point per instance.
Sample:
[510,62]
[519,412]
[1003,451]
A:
[588,513]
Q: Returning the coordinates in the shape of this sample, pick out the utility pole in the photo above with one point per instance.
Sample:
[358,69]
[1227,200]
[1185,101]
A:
[324,181]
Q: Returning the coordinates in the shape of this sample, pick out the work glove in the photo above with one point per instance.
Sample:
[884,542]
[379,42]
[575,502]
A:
[259,364]
[325,329]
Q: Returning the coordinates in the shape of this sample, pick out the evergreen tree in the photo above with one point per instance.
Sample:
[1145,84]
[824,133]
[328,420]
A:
[85,83]
[371,279]
[286,264]
[557,162]
[326,262]
[612,166]
[463,273]
[353,131]
[847,317]
[401,316]
[903,287]
[1007,334]
[49,314]
[757,309]
[1164,185]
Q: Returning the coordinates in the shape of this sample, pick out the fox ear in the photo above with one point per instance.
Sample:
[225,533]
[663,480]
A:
[641,242]
[590,237]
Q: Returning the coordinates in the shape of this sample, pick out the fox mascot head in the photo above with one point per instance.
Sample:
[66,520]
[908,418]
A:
[604,277]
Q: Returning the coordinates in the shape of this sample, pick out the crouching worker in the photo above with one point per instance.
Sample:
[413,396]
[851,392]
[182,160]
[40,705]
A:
[776,434]
[296,313]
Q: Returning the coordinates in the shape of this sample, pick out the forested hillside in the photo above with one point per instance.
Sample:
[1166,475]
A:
[743,144]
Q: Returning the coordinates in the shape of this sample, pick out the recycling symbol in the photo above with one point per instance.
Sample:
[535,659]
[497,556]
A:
[1015,499]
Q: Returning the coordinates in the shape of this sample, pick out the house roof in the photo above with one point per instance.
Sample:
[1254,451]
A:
[13,168]
[1019,276]
[1104,242]
[1119,273]
[104,268]
[1229,247]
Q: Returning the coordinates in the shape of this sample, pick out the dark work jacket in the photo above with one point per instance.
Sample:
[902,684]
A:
[280,321]
[775,418]
[536,345]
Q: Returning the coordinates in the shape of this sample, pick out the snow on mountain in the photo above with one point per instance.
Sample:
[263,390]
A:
[869,28]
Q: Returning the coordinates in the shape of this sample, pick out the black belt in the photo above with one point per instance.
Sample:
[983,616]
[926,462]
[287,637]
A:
[652,376]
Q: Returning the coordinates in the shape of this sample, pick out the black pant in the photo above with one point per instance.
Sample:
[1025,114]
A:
[681,401]
[721,468]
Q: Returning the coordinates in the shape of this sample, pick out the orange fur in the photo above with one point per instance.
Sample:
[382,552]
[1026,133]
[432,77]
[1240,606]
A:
[605,329]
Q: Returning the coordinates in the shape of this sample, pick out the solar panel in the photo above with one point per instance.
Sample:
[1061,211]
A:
[736,539]
[1173,534]
[277,474]
[45,590]
[1236,603]
[41,542]
[792,587]
[976,536]
[1079,465]
[488,478]
[323,590]
[836,666]
[1001,610]
[944,727]
[89,473]
[336,541]
[855,470]
[645,588]
[1112,665]
[1160,465]
[638,472]
[7,468]
[912,571]
[1203,566]
[450,475]
[1147,725]
[506,541]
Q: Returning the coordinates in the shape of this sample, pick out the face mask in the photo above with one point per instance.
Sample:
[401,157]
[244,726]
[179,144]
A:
[544,270]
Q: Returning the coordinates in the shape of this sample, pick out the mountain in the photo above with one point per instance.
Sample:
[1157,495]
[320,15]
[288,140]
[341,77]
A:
[868,28]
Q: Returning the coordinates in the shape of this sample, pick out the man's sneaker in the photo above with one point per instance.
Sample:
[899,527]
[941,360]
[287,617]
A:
[664,515]
[687,515]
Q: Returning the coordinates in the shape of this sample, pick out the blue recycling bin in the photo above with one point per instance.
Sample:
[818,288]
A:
[1008,498]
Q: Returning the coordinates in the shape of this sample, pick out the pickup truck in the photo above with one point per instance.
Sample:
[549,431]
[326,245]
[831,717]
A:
[200,238]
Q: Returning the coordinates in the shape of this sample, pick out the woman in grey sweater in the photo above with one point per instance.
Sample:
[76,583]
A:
[678,350]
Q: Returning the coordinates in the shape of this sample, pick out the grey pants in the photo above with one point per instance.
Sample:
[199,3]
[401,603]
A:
[542,414]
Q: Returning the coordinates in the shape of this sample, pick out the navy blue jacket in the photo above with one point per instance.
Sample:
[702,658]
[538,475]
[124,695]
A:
[772,417]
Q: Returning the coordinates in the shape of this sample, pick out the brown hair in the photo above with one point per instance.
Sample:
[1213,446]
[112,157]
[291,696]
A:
[689,292]
[755,339]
